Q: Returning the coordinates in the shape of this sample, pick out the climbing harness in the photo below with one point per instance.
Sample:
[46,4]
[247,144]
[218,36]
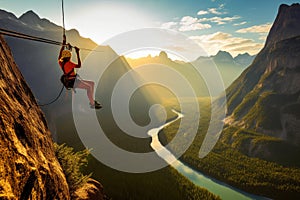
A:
[67,79]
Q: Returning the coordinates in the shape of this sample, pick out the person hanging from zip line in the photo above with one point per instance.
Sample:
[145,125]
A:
[70,79]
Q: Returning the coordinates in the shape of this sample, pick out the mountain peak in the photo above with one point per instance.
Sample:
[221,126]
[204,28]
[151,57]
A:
[5,14]
[223,53]
[30,18]
[163,55]
[286,24]
[243,54]
[244,59]
[29,15]
[223,56]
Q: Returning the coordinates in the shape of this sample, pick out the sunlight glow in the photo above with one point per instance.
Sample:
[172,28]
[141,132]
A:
[104,20]
[150,52]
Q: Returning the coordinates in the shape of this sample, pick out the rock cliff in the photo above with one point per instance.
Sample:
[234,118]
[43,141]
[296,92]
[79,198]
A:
[286,24]
[265,98]
[28,166]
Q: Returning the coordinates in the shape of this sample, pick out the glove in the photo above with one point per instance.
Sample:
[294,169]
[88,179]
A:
[76,49]
[64,39]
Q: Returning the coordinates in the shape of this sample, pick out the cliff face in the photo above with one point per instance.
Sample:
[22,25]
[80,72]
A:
[266,97]
[267,93]
[286,24]
[28,166]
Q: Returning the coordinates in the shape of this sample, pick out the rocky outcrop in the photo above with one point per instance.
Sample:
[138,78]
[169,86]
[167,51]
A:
[28,166]
[286,24]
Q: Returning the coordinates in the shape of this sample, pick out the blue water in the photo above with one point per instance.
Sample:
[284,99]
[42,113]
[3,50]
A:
[216,187]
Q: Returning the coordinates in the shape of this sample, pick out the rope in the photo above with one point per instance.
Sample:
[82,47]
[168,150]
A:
[63,16]
[54,100]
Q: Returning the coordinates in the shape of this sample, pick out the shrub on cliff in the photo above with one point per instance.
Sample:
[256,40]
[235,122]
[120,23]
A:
[71,163]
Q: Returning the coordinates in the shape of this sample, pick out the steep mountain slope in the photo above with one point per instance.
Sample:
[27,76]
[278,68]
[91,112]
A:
[29,168]
[265,98]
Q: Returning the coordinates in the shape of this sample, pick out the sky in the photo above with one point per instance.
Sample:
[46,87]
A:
[236,26]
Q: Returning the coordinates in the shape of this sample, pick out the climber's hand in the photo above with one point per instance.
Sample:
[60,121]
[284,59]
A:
[64,39]
[76,49]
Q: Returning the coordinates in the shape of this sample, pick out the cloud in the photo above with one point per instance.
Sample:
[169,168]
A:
[202,12]
[220,20]
[188,20]
[169,25]
[215,11]
[193,27]
[264,28]
[212,43]
[263,37]
[189,23]
[219,36]
[239,24]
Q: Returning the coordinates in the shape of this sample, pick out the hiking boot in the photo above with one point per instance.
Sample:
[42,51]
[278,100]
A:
[96,105]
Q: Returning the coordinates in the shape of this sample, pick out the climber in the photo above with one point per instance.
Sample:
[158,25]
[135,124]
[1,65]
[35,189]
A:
[69,77]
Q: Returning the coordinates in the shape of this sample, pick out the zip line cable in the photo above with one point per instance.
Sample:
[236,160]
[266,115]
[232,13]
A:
[37,39]
[28,37]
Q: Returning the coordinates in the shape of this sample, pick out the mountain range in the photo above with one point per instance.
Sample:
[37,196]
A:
[230,68]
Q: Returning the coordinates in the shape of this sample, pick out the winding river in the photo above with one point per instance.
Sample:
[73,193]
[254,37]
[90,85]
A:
[216,187]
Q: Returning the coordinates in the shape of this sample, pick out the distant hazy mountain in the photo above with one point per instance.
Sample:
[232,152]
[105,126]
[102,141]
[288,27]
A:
[223,57]
[244,59]
[266,97]
[186,70]
[230,68]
